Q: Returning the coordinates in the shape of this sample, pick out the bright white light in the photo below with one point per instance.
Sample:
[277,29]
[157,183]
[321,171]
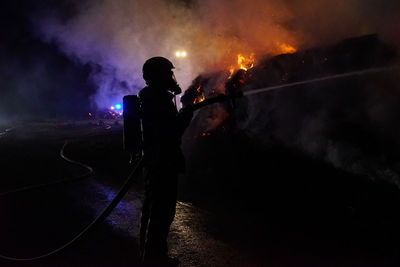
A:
[112,107]
[180,53]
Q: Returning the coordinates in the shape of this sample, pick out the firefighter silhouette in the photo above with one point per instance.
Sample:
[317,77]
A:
[163,127]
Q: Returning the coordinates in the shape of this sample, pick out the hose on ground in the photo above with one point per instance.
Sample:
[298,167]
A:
[89,173]
[105,212]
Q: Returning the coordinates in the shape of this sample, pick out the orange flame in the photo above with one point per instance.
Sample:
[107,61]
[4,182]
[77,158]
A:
[231,70]
[286,48]
[245,63]
[199,98]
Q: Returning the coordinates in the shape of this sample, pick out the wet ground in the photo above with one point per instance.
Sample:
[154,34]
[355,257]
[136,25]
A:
[38,220]
[327,218]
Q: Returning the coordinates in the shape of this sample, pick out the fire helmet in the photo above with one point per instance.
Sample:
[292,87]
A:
[156,67]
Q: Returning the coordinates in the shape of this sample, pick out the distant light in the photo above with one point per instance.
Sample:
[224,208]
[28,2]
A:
[118,106]
[180,53]
[112,107]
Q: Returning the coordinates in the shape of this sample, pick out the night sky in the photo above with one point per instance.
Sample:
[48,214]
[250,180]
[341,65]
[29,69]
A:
[36,79]
[67,58]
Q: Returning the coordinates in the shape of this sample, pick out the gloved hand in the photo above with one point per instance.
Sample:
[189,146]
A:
[185,115]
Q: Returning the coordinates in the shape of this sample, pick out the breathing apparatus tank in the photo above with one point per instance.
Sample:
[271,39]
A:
[132,133]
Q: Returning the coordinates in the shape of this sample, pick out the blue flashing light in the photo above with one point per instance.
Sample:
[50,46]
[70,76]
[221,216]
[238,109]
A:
[118,106]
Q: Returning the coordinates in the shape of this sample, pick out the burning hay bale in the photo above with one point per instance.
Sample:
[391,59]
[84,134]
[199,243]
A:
[350,55]
[348,123]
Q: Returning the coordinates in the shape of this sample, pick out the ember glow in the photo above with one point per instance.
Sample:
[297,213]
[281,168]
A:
[231,70]
[286,48]
[199,99]
[234,78]
[200,95]
[245,63]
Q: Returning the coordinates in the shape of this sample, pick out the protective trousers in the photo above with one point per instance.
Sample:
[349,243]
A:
[158,211]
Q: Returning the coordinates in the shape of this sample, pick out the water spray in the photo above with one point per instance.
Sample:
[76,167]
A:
[321,79]
[223,97]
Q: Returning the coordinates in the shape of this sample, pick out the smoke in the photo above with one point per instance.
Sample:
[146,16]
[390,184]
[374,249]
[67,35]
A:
[351,123]
[119,35]
[40,84]
[37,81]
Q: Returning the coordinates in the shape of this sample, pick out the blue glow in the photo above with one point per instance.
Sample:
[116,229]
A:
[118,106]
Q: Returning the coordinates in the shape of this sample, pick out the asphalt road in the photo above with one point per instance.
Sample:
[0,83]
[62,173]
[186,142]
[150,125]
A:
[36,221]
[207,231]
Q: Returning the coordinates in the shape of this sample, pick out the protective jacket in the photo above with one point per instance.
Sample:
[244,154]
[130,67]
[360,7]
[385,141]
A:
[163,127]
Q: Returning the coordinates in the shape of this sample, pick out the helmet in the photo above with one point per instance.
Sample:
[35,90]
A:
[155,67]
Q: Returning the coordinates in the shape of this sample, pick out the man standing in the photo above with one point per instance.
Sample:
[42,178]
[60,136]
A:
[163,127]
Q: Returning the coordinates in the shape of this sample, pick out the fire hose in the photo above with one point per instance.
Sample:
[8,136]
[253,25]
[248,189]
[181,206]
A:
[105,212]
[61,181]
[117,198]
[62,155]
[139,163]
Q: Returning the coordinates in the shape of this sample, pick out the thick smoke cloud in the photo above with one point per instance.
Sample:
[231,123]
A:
[119,35]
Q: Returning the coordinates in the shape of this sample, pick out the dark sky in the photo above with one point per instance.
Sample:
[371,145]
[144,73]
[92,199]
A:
[36,79]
